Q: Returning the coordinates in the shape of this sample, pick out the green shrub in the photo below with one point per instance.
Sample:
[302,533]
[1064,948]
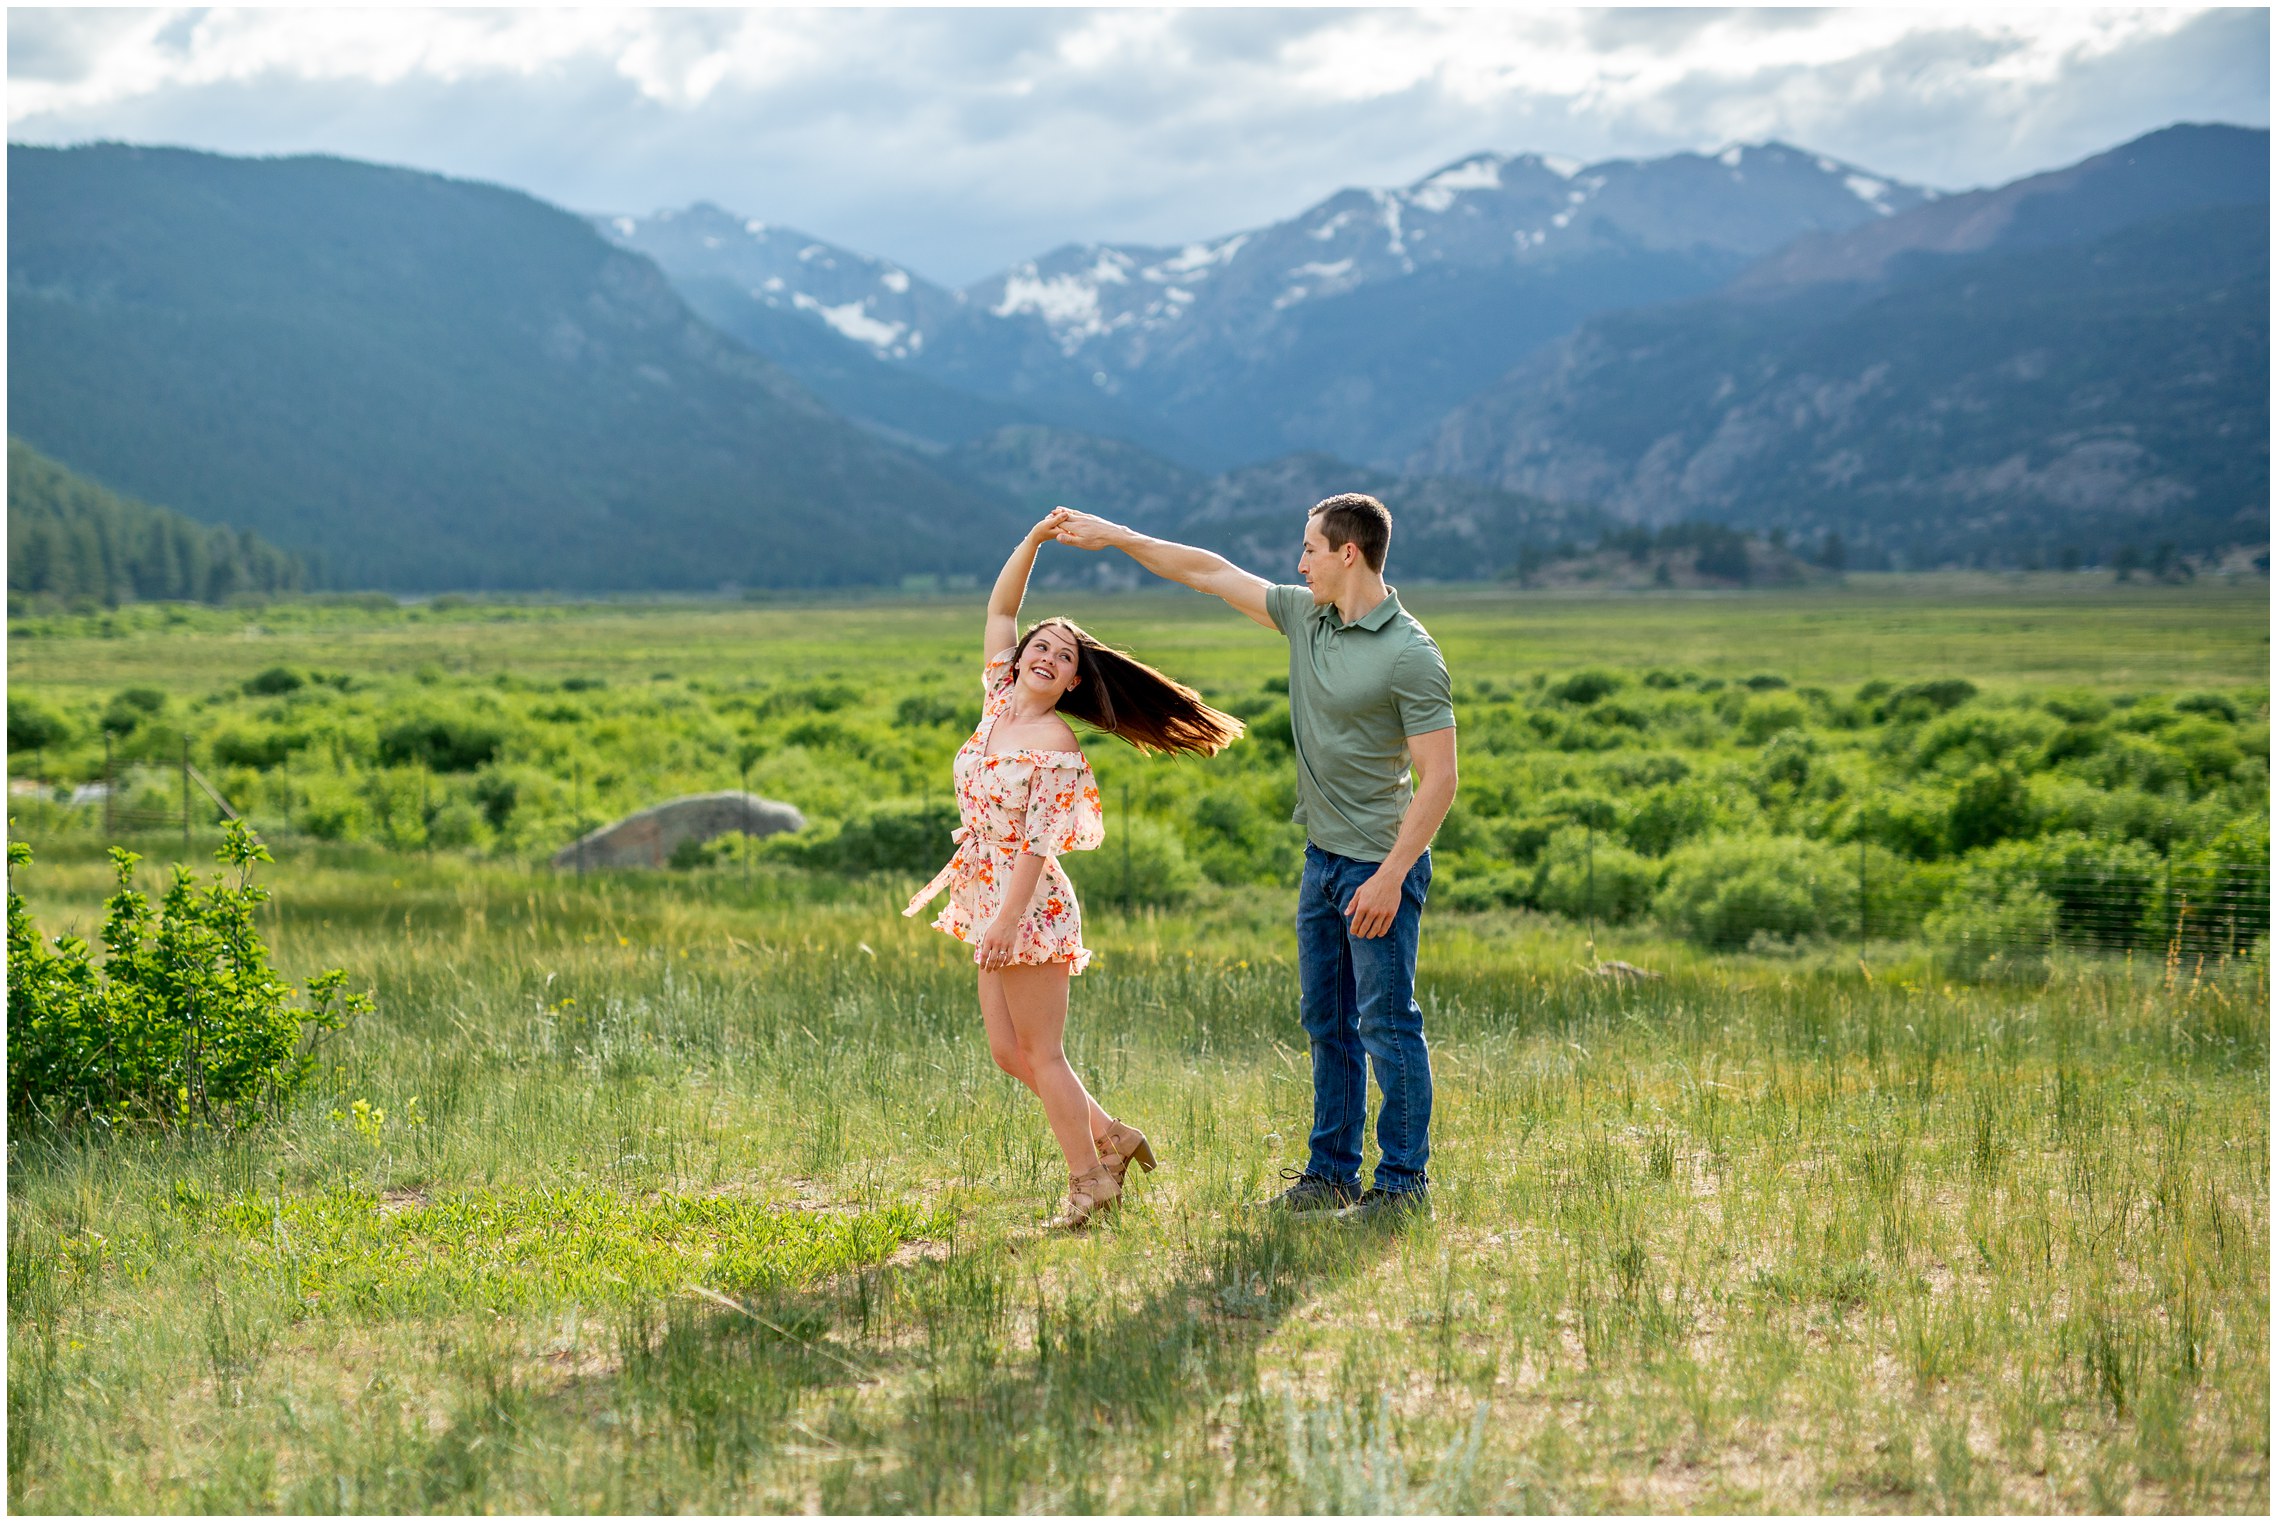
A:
[184,1020]
[2005,937]
[1992,804]
[2134,761]
[496,792]
[1920,700]
[33,726]
[2209,751]
[1957,741]
[331,811]
[457,823]
[814,697]
[1271,726]
[2075,706]
[899,837]
[1142,863]
[1664,818]
[254,746]
[130,707]
[1585,687]
[1485,888]
[1723,890]
[2071,743]
[1763,718]
[822,735]
[1583,807]
[274,682]
[2213,705]
[1579,877]
[921,709]
[438,742]
[2103,892]
[1787,760]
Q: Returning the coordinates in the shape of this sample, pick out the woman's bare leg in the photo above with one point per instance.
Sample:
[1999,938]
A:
[1004,1044]
[1035,999]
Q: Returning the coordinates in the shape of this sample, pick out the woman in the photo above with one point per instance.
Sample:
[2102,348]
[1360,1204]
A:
[1026,794]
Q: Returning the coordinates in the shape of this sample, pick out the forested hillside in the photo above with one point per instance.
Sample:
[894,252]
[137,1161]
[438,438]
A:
[70,538]
[432,384]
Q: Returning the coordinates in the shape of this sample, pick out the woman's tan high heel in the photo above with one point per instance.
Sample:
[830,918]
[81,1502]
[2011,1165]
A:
[1121,1145]
[1088,1194]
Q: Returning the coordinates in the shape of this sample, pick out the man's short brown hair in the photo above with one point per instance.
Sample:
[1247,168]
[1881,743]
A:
[1355,518]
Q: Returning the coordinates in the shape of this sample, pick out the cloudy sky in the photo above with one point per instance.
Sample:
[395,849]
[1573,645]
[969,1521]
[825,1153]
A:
[959,141]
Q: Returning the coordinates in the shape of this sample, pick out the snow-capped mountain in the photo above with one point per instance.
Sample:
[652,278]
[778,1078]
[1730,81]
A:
[1351,327]
[871,302]
[1486,211]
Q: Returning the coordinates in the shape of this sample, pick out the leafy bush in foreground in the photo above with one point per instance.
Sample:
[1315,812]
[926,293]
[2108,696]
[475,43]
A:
[183,1021]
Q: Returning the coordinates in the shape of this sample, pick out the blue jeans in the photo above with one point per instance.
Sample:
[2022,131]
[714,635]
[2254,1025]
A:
[1359,1000]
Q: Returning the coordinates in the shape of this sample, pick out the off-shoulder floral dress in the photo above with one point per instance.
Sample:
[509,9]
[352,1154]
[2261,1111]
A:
[1045,802]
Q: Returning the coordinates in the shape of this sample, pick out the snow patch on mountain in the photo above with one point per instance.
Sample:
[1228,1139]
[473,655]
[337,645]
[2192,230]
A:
[854,321]
[1196,259]
[1388,211]
[1873,192]
[1436,194]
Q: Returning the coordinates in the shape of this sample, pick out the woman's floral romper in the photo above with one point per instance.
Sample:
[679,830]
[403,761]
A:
[1044,802]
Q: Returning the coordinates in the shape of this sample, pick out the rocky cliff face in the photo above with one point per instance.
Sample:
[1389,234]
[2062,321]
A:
[2010,403]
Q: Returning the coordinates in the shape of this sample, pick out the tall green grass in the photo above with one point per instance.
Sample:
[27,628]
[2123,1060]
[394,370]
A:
[661,1193]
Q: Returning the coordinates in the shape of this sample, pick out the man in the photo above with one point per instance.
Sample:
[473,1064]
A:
[1368,699]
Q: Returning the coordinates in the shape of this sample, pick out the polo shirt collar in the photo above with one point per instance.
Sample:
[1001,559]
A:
[1371,621]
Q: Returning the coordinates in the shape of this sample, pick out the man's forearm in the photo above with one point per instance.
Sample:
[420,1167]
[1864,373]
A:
[1171,560]
[1426,812]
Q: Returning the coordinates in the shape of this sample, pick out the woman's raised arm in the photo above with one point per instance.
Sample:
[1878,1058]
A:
[1003,628]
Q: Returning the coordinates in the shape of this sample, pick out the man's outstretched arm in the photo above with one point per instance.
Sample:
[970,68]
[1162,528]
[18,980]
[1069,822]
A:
[1202,570]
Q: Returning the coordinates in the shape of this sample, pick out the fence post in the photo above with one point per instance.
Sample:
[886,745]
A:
[747,826]
[109,829]
[2172,924]
[1589,891]
[185,795]
[1126,846]
[1861,901]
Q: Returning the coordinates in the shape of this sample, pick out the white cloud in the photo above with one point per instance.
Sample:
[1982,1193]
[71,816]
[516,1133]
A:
[957,142]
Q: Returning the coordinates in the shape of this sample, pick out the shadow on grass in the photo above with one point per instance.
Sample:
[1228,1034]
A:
[919,1393]
[988,1427]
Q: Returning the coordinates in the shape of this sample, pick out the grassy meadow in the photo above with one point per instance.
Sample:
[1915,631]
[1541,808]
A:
[696,1190]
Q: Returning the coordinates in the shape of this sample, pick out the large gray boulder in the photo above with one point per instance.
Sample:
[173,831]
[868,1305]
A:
[647,839]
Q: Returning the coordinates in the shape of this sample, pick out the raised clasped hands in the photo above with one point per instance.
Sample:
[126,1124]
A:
[1374,905]
[1047,527]
[1084,531]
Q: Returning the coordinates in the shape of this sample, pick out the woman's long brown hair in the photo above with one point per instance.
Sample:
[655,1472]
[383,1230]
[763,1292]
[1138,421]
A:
[1124,696]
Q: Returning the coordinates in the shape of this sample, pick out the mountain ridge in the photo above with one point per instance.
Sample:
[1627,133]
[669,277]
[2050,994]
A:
[403,372]
[1294,335]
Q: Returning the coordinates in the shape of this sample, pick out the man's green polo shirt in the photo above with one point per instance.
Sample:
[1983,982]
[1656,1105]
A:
[1357,691]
